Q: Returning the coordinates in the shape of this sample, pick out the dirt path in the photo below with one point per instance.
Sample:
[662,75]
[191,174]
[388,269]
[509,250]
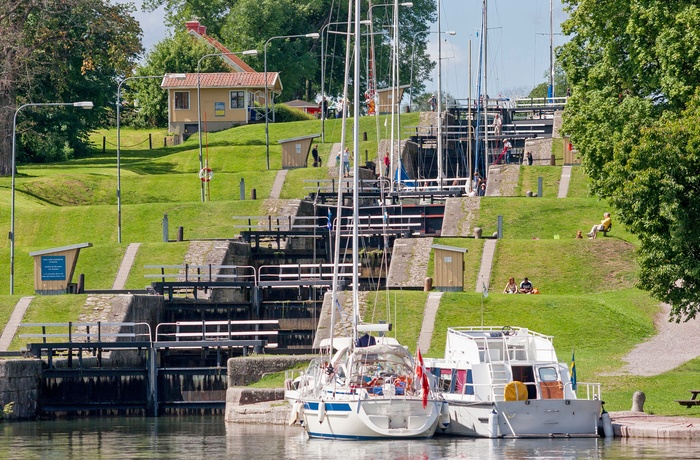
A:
[673,345]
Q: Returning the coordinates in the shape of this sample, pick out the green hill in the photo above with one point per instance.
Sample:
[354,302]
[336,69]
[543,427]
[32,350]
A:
[588,301]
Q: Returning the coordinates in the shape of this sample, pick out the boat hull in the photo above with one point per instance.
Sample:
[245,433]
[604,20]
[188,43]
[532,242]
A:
[531,418]
[365,419]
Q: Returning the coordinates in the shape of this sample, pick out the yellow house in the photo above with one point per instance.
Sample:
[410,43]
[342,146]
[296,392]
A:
[227,99]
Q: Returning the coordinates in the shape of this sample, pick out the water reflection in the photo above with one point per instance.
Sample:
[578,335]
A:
[208,438]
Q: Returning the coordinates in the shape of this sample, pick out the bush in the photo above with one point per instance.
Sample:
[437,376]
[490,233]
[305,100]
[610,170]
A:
[284,113]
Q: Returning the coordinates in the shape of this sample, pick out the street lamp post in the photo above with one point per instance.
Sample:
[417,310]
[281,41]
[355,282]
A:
[199,105]
[83,104]
[119,181]
[323,72]
[314,35]
[413,55]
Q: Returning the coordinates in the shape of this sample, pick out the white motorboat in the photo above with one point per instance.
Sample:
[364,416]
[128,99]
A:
[507,382]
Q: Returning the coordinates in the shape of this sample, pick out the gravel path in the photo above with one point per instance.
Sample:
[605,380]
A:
[673,345]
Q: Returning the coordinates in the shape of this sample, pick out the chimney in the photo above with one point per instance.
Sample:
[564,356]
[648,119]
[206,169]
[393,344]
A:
[202,30]
[193,25]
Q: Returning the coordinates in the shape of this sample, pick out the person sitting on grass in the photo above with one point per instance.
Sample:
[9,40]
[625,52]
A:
[525,286]
[511,287]
[604,226]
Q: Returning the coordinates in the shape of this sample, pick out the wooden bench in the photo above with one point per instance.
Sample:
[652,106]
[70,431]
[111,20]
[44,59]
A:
[688,403]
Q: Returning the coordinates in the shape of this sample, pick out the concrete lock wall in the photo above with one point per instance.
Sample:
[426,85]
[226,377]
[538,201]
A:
[19,384]
[239,254]
[245,370]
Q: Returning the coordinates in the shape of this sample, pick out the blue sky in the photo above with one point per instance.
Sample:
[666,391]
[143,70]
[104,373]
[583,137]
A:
[518,42]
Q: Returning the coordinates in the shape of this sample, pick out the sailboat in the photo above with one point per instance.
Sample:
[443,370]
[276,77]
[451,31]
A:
[371,387]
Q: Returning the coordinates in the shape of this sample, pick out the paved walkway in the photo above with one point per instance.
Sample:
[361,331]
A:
[13,324]
[278,184]
[426,330]
[125,267]
[484,278]
[564,181]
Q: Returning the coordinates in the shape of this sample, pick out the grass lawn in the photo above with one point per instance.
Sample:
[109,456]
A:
[588,299]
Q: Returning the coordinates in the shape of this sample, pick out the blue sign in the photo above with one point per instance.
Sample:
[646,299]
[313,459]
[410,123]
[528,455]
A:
[53,268]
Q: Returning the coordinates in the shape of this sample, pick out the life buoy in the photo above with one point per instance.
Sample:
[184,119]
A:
[515,391]
[205,174]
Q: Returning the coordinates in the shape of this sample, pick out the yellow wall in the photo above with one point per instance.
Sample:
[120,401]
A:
[208,98]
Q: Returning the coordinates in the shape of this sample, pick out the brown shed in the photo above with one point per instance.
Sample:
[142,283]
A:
[53,268]
[385,96]
[449,268]
[295,151]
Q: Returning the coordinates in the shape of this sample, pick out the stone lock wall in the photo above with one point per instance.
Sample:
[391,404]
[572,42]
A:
[19,384]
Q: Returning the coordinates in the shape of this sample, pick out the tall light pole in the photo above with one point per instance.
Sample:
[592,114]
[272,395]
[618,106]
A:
[314,35]
[83,104]
[413,55]
[199,105]
[119,169]
[323,72]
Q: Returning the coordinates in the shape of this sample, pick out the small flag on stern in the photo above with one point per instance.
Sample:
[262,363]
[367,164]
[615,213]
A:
[572,370]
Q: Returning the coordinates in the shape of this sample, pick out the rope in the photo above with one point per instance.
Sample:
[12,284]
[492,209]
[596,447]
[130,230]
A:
[127,146]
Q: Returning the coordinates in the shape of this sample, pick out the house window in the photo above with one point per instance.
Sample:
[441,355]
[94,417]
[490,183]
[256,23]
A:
[182,100]
[237,99]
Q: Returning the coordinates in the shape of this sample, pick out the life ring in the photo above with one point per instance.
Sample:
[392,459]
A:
[205,174]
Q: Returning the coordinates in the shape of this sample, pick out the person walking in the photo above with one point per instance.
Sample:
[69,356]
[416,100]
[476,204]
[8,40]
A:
[346,162]
[387,165]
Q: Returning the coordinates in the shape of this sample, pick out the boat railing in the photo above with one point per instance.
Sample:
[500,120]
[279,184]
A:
[592,390]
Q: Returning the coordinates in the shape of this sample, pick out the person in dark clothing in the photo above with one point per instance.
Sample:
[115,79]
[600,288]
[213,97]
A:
[314,154]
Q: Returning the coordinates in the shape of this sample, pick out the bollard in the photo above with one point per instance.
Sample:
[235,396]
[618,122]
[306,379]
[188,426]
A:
[539,186]
[150,141]
[81,284]
[242,189]
[428,285]
[104,144]
[477,232]
[552,160]
[499,224]
[364,136]
[180,234]
[638,399]
[165,228]
[253,194]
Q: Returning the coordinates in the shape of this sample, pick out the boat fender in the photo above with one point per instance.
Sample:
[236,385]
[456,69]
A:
[444,415]
[607,424]
[321,411]
[493,423]
[294,414]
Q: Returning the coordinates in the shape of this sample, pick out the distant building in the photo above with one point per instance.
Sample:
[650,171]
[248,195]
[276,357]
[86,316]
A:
[227,98]
[304,106]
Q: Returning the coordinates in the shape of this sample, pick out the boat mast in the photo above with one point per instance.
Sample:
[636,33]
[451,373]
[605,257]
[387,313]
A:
[339,205]
[550,92]
[355,180]
[486,93]
[439,100]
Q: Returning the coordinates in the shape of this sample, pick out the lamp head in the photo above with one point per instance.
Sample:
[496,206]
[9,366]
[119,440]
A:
[84,104]
[314,35]
[177,76]
[250,53]
[407,4]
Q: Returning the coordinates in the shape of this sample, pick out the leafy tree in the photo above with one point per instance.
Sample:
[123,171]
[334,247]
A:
[634,69]
[250,23]
[55,51]
[560,83]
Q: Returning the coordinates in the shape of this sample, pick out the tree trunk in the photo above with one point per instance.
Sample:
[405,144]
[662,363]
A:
[7,104]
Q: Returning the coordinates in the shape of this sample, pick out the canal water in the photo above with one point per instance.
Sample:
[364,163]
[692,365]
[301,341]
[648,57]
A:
[209,438]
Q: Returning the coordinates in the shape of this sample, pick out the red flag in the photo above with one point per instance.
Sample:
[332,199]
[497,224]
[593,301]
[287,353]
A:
[422,375]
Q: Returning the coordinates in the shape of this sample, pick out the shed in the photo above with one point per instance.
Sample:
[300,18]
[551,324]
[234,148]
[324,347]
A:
[449,268]
[385,96]
[53,269]
[295,151]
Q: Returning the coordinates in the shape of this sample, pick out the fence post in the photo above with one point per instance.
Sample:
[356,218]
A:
[150,142]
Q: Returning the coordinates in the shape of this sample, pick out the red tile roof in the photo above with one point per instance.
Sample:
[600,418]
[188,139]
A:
[225,80]
[236,63]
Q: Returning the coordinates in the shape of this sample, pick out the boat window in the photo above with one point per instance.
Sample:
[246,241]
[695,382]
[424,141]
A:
[548,374]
